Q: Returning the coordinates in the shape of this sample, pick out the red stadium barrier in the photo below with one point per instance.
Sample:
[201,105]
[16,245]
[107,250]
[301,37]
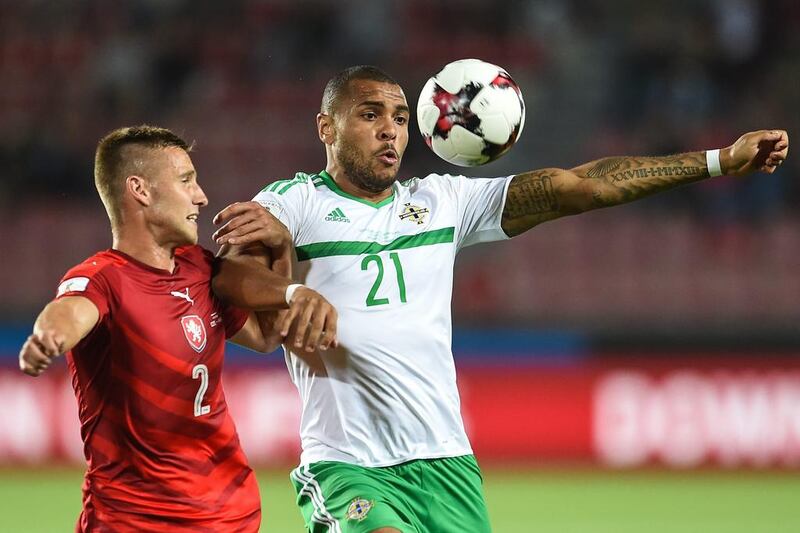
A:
[673,412]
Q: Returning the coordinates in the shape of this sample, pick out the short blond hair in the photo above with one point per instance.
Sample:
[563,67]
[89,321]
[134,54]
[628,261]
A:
[123,152]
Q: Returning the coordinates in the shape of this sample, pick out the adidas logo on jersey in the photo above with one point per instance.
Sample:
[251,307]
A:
[337,215]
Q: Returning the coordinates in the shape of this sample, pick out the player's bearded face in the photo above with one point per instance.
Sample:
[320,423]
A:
[361,171]
[372,134]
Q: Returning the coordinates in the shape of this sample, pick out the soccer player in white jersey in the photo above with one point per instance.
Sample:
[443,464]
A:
[384,446]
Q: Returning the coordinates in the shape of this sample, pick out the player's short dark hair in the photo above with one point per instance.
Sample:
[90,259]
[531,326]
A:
[119,154]
[340,83]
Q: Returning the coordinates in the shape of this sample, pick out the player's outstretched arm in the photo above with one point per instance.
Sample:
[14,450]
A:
[541,195]
[59,327]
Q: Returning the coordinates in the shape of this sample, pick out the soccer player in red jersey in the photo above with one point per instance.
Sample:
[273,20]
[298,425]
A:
[144,336]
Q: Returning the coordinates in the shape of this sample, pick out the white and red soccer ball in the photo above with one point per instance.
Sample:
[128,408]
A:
[471,112]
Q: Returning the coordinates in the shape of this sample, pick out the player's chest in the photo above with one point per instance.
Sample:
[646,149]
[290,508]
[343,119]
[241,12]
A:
[172,317]
[343,220]
[380,259]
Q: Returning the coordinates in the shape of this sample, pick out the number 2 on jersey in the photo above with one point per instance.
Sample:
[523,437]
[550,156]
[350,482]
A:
[201,371]
[398,268]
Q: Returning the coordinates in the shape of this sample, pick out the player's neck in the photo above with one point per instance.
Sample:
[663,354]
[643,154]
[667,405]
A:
[145,250]
[347,186]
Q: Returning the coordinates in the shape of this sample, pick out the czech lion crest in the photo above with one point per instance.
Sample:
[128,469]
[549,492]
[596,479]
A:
[195,332]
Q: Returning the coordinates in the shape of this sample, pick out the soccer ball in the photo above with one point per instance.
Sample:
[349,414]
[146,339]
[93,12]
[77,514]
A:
[471,112]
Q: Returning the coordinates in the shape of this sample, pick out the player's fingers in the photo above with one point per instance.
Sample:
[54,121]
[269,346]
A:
[303,321]
[37,358]
[329,338]
[278,323]
[776,158]
[256,232]
[31,357]
[227,213]
[231,225]
[237,209]
[243,233]
[25,355]
[315,333]
[50,345]
[36,342]
[288,319]
[29,369]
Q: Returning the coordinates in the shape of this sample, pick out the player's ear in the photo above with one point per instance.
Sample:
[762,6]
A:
[325,128]
[138,188]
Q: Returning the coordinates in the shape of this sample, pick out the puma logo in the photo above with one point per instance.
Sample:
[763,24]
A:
[184,295]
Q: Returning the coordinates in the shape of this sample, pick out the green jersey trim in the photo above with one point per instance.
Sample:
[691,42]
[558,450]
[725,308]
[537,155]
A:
[281,186]
[332,248]
[328,180]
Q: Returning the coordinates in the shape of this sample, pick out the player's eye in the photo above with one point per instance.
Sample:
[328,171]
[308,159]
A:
[369,115]
[401,120]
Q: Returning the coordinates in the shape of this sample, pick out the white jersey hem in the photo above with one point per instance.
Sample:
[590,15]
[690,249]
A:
[344,458]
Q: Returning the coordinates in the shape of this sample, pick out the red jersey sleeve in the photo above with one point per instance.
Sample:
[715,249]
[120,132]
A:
[233,318]
[89,280]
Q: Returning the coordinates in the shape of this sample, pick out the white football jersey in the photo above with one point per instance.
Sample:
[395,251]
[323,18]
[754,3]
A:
[388,394]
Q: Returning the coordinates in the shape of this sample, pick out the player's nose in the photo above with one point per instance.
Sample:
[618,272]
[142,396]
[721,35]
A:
[200,197]
[387,130]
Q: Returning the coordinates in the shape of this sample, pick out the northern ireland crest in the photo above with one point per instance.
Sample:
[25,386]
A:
[414,213]
[358,509]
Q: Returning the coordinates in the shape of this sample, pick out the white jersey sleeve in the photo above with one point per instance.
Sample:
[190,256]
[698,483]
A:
[480,204]
[286,199]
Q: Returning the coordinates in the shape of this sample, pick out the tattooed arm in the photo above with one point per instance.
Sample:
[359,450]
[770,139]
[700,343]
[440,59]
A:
[541,195]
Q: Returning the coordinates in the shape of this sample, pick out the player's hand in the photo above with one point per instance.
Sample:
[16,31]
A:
[763,150]
[39,351]
[244,223]
[311,320]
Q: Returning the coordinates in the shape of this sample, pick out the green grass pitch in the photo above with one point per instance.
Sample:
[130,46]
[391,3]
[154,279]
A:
[540,501]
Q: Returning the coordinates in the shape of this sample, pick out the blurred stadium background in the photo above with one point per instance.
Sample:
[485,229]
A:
[634,369]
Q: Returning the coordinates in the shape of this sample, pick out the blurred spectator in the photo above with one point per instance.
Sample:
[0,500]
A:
[244,79]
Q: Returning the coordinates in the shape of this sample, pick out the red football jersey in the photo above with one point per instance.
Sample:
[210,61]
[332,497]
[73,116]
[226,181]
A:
[162,450]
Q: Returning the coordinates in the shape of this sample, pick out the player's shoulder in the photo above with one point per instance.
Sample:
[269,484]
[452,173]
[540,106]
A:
[302,183]
[295,195]
[101,262]
[195,256]
[102,265]
[432,182]
[193,252]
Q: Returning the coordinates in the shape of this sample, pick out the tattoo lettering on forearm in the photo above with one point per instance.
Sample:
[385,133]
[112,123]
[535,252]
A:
[530,194]
[629,178]
[654,173]
[618,169]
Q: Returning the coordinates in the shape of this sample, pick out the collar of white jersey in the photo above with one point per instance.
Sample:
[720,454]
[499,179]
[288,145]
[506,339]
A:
[333,186]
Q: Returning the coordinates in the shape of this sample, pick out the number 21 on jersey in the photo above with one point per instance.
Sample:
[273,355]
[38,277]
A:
[374,262]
